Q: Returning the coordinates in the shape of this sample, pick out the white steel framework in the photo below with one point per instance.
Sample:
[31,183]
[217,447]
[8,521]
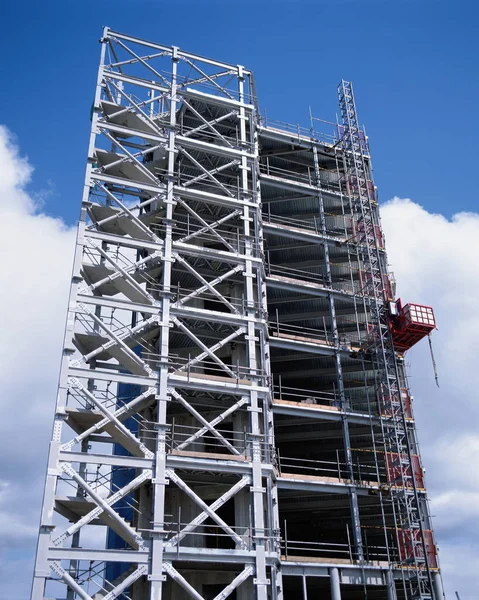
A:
[232,419]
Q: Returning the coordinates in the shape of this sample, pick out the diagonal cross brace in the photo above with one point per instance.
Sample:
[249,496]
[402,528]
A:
[131,215]
[117,341]
[68,579]
[201,518]
[208,77]
[129,332]
[228,590]
[206,172]
[142,449]
[214,348]
[207,285]
[207,226]
[153,125]
[211,513]
[122,272]
[207,123]
[138,206]
[98,510]
[132,158]
[206,425]
[121,587]
[116,414]
[180,580]
[212,423]
[205,348]
[127,532]
[237,581]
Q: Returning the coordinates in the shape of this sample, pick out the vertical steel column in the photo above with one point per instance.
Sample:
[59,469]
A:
[273,503]
[156,576]
[335,586]
[259,532]
[391,586]
[339,373]
[438,590]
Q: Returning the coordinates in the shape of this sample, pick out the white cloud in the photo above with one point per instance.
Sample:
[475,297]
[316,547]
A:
[434,260]
[36,261]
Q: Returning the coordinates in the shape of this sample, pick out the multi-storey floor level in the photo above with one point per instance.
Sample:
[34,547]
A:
[232,418]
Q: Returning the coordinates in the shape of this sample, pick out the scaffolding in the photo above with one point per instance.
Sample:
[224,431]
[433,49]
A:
[233,419]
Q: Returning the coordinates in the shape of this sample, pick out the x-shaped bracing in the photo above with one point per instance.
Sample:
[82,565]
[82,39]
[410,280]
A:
[208,351]
[211,227]
[209,285]
[229,589]
[104,508]
[208,511]
[207,426]
[114,418]
[84,595]
[123,273]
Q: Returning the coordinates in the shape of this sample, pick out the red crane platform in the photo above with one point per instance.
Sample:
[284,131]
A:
[410,323]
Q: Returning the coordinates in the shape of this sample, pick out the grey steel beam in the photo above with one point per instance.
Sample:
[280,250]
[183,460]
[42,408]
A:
[307,287]
[289,481]
[321,414]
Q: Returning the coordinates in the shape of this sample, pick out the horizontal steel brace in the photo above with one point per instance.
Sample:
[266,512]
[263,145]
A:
[310,347]
[192,463]
[214,555]
[214,199]
[194,144]
[322,414]
[314,289]
[107,375]
[229,257]
[193,381]
[303,235]
[110,302]
[289,482]
[288,138]
[186,92]
[296,186]
[116,460]
[196,313]
[288,184]
[214,316]
[228,385]
[123,181]
[124,241]
[349,574]
[94,554]
[179,53]
[218,100]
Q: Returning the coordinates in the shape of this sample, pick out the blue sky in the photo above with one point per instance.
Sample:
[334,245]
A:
[413,64]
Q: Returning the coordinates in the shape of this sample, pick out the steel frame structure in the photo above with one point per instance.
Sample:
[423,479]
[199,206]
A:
[228,382]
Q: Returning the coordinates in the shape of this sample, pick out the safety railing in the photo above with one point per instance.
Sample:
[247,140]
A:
[300,549]
[214,440]
[358,472]
[300,131]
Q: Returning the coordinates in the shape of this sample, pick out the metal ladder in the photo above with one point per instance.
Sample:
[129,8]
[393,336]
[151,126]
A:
[380,350]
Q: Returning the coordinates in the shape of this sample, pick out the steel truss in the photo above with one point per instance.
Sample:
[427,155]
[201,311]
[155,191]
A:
[167,300]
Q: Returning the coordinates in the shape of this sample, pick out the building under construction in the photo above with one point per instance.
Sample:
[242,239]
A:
[233,418]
